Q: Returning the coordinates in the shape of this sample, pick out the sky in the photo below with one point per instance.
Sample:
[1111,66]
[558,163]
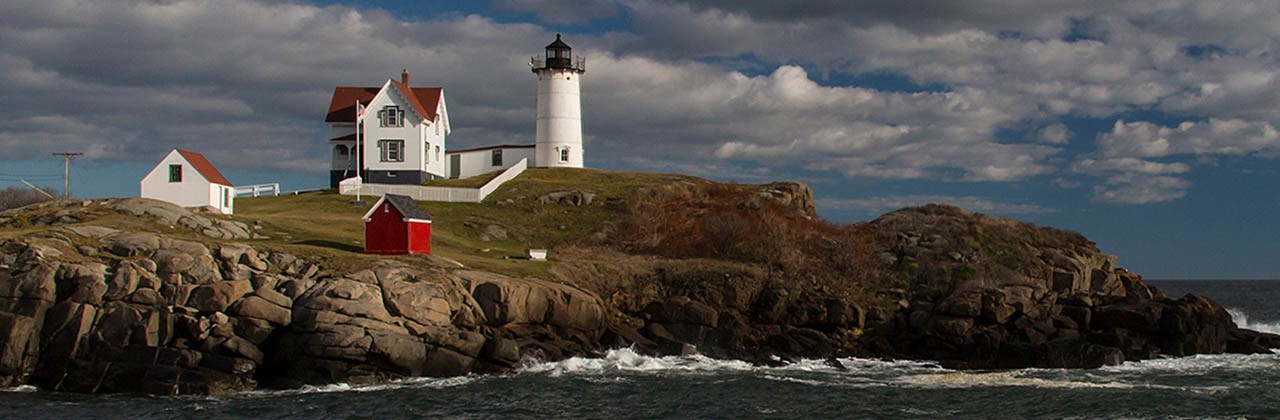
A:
[1148,126]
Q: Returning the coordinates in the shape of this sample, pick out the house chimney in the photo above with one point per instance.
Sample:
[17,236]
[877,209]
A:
[404,77]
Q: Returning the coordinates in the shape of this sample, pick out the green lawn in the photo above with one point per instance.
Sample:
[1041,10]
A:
[328,224]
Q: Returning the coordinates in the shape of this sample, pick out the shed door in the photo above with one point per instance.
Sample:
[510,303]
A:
[455,165]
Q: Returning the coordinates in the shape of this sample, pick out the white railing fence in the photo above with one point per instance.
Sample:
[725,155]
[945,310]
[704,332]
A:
[352,186]
[258,190]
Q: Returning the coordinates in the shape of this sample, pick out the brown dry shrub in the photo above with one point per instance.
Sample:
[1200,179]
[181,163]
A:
[723,221]
[14,197]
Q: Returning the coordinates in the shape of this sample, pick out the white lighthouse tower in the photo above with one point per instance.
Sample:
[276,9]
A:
[558,142]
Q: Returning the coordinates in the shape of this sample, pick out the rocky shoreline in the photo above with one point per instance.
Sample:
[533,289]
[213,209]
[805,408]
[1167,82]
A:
[94,309]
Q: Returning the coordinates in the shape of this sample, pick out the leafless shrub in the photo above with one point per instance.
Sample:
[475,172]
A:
[14,197]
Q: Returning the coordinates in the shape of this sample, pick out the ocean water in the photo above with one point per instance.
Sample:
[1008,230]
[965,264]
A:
[623,384]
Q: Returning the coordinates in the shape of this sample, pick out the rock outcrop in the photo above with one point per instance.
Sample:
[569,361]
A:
[93,308]
[171,316]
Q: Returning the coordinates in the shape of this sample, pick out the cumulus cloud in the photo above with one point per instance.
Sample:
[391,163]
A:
[1215,136]
[788,119]
[562,11]
[1055,134]
[1127,156]
[1212,62]
[879,205]
[245,81]
[747,87]
[1135,188]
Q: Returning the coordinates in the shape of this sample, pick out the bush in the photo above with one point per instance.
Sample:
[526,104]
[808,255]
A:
[14,197]
[728,221]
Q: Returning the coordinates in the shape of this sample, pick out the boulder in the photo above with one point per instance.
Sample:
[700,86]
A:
[254,306]
[85,283]
[681,310]
[949,326]
[421,302]
[1069,353]
[257,331]
[962,304]
[347,297]
[186,262]
[506,301]
[19,348]
[218,296]
[1126,316]
[133,244]
[505,352]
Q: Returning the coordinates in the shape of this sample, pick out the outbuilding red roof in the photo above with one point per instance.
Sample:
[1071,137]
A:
[342,108]
[205,168]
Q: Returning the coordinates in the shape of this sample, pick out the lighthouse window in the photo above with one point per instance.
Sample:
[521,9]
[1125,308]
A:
[497,157]
[564,154]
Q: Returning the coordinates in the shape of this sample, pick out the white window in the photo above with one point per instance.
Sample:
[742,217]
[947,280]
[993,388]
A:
[175,173]
[564,154]
[426,153]
[392,150]
[391,116]
[437,152]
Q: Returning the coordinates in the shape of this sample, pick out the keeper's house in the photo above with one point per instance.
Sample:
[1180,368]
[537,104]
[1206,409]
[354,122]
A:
[402,130]
[187,179]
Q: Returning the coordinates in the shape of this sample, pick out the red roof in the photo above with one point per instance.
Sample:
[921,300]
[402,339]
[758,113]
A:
[342,108]
[205,168]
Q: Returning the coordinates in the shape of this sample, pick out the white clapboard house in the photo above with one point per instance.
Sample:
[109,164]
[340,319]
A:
[187,179]
[403,132]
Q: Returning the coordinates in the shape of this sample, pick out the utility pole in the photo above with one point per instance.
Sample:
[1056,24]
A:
[66,172]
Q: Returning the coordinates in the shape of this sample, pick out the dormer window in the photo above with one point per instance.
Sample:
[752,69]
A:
[391,116]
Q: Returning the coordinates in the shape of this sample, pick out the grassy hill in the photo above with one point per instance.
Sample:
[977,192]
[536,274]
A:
[470,233]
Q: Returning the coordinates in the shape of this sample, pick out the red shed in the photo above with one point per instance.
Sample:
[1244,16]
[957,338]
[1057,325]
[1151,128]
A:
[396,225]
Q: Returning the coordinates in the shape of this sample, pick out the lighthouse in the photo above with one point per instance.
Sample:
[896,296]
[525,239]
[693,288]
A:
[558,139]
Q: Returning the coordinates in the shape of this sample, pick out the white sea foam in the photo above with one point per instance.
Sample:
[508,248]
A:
[627,360]
[1200,364]
[432,383]
[1017,378]
[20,388]
[1242,321]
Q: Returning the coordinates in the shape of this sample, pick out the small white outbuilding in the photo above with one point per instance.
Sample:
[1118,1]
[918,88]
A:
[187,179]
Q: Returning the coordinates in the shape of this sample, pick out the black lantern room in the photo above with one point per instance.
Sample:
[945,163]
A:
[558,55]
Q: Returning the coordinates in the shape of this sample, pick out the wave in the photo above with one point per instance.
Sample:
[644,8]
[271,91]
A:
[1010,378]
[20,388]
[410,383]
[619,365]
[1242,321]
[627,360]
[1201,364]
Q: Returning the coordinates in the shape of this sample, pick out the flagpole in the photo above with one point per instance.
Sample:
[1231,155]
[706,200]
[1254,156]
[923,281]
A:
[359,155]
